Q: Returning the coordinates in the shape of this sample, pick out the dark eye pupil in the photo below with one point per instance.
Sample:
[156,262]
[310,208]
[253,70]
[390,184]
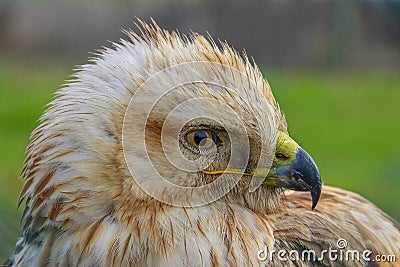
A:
[199,136]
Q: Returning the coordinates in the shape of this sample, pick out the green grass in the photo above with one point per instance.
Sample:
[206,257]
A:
[24,92]
[348,122]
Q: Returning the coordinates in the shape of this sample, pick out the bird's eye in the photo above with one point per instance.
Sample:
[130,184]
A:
[202,139]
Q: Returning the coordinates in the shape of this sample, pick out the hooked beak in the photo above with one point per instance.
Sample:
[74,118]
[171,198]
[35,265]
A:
[294,169]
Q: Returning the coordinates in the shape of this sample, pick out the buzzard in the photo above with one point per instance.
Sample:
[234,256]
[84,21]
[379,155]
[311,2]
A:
[170,150]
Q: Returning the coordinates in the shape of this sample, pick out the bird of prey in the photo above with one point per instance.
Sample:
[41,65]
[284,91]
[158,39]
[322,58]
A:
[170,150]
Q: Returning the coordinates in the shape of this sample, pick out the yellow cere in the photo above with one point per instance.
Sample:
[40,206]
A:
[285,153]
[286,149]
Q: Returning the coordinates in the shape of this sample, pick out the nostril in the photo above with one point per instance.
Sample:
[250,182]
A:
[281,156]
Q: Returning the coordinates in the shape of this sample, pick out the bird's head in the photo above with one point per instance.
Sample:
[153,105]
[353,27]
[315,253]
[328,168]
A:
[163,119]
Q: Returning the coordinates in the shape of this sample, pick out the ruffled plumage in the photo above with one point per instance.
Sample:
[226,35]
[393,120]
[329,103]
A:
[83,207]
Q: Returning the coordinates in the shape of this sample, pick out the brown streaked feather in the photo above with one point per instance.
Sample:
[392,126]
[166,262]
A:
[84,208]
[339,214]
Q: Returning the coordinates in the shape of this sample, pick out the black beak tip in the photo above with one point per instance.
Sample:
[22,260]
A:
[315,195]
[310,173]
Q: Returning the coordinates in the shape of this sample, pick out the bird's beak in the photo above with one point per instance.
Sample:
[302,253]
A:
[293,168]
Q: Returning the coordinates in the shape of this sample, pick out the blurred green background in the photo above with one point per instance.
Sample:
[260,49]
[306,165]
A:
[333,66]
